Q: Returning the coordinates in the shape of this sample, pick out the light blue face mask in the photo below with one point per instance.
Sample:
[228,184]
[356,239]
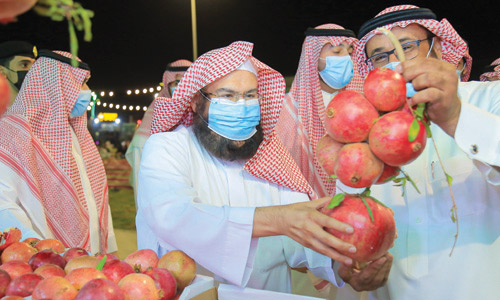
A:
[410,91]
[236,121]
[81,104]
[338,72]
[172,90]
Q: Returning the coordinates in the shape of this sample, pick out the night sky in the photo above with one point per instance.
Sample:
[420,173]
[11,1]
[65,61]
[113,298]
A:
[134,40]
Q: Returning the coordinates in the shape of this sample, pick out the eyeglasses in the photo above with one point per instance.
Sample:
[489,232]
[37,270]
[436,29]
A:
[231,95]
[410,50]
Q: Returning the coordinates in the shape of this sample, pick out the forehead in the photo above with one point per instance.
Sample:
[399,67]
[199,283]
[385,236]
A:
[237,80]
[408,33]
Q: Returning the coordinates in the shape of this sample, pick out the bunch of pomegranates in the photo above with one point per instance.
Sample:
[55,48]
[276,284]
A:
[369,137]
[45,269]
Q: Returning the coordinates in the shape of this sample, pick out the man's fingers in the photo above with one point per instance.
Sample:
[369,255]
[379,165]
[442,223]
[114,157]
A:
[332,223]
[324,249]
[345,272]
[429,95]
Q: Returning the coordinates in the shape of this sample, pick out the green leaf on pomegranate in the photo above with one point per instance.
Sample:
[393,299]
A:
[420,110]
[413,131]
[449,178]
[100,265]
[334,176]
[368,208]
[336,200]
[411,181]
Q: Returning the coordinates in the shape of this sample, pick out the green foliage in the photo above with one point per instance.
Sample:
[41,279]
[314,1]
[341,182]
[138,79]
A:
[414,130]
[336,200]
[74,13]
[101,263]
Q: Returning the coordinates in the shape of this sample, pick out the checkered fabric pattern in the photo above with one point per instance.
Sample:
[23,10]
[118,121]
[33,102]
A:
[453,46]
[484,76]
[301,121]
[272,161]
[168,76]
[36,143]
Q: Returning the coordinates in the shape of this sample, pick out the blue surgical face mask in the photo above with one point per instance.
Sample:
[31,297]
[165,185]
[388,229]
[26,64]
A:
[172,90]
[236,121]
[81,104]
[410,91]
[338,71]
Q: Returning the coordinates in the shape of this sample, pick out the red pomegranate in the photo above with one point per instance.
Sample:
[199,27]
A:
[4,282]
[100,289]
[13,297]
[74,252]
[85,261]
[139,287]
[54,288]
[142,259]
[349,117]
[79,277]
[385,89]
[50,270]
[389,139]
[356,166]
[372,239]
[4,94]
[109,256]
[10,236]
[18,251]
[44,257]
[9,9]
[182,267]
[389,171]
[166,282]
[15,268]
[52,244]
[115,270]
[326,152]
[23,285]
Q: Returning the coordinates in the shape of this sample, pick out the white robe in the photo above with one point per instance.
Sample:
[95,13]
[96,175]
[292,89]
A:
[422,267]
[20,208]
[191,201]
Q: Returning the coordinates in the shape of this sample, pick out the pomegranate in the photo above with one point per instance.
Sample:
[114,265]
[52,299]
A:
[385,89]
[100,289]
[326,152]
[15,268]
[389,171]
[109,256]
[4,282]
[356,166]
[182,267]
[142,259]
[31,241]
[389,139]
[139,286]
[54,288]
[79,277]
[74,252]
[46,256]
[18,251]
[52,244]
[165,280]
[85,261]
[13,298]
[9,9]
[372,238]
[349,117]
[9,236]
[115,270]
[50,270]
[4,94]
[23,285]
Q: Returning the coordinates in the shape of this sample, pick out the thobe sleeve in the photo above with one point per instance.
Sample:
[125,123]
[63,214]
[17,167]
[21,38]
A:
[11,212]
[478,130]
[112,245]
[218,238]
[321,266]
[133,156]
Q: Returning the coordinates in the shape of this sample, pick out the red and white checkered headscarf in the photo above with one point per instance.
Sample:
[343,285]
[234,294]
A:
[496,71]
[453,46]
[168,76]
[301,121]
[272,161]
[36,143]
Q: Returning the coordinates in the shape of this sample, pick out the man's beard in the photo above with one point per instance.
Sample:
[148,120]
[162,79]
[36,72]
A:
[225,148]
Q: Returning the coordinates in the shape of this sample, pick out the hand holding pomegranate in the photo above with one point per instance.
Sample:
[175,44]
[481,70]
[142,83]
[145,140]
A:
[370,277]
[304,223]
[436,84]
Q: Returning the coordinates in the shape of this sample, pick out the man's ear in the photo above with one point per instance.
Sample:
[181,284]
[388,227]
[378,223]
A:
[437,48]
[194,102]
